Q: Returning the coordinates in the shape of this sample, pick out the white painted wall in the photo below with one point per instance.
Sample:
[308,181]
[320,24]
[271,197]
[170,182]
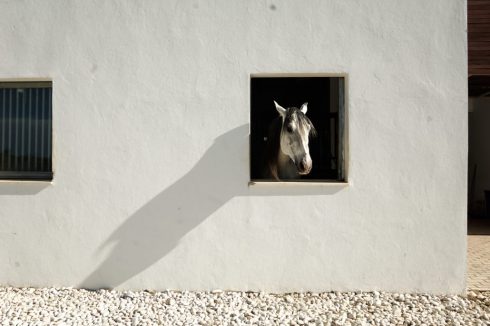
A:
[151,114]
[479,153]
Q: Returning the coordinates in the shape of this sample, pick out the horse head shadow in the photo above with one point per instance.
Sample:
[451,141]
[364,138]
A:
[156,228]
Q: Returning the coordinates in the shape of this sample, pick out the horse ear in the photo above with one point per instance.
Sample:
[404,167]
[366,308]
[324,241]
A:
[280,109]
[304,107]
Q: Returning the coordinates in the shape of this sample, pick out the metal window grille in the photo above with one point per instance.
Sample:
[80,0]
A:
[26,130]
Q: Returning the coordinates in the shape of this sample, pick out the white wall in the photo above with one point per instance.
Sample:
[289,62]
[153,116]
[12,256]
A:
[151,115]
[479,153]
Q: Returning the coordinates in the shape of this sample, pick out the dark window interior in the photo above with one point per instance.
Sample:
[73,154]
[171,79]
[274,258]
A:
[325,109]
[25,130]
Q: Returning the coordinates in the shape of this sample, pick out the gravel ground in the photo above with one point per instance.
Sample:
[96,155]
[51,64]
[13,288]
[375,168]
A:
[65,306]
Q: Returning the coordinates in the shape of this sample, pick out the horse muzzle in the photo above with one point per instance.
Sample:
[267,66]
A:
[304,166]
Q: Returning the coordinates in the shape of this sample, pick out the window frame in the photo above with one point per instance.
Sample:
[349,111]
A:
[19,175]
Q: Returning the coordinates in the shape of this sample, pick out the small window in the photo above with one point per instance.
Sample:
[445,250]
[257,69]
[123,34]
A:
[25,130]
[297,129]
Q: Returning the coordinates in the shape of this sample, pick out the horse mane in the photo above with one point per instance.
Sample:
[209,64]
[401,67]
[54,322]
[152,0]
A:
[273,145]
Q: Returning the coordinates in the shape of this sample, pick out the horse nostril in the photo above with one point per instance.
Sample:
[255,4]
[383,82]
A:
[302,165]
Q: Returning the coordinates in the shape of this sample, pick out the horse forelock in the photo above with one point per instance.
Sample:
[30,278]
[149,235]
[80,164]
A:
[294,115]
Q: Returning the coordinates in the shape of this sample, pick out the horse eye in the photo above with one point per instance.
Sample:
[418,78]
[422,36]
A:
[289,129]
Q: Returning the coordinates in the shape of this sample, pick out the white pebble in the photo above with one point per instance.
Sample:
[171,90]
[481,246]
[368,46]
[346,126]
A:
[63,306]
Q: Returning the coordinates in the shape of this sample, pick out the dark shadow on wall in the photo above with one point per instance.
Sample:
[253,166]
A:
[155,229]
[21,188]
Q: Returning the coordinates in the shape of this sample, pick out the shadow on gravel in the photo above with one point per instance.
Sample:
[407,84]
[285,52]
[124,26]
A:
[155,229]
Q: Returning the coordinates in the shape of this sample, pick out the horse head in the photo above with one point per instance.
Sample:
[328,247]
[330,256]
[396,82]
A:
[294,136]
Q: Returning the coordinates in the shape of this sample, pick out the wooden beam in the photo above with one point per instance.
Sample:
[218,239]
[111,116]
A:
[479,37]
[479,70]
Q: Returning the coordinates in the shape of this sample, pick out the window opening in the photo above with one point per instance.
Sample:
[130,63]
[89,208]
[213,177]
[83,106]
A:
[279,106]
[25,130]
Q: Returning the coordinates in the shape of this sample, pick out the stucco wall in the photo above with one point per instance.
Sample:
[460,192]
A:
[151,118]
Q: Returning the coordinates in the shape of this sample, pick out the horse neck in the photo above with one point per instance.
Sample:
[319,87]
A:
[282,159]
[285,166]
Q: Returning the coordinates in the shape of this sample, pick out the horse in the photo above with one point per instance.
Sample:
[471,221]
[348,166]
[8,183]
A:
[287,152]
